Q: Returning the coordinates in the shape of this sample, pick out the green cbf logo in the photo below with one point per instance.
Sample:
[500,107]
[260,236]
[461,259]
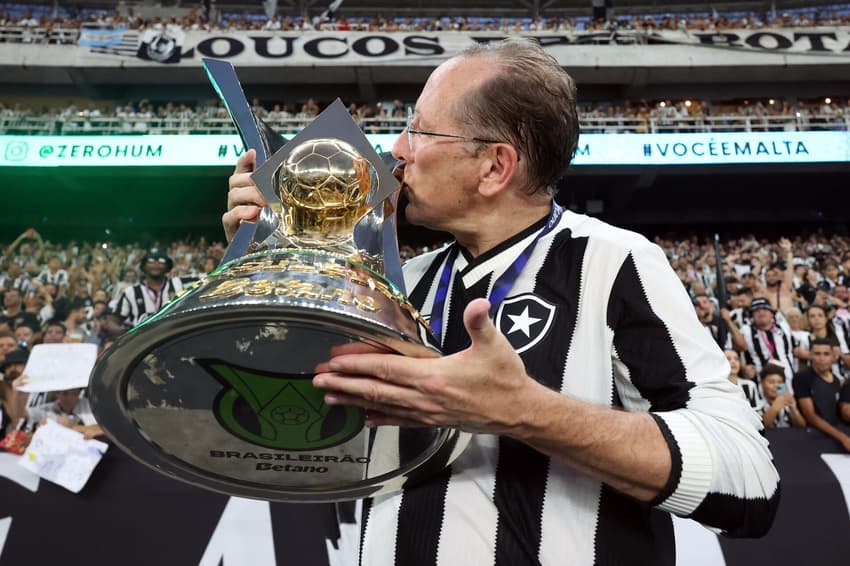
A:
[281,411]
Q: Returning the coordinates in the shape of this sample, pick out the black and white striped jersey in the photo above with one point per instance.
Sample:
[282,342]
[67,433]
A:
[599,315]
[60,278]
[138,302]
[772,344]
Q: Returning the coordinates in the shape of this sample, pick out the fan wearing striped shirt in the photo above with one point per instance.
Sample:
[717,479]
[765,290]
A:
[598,403]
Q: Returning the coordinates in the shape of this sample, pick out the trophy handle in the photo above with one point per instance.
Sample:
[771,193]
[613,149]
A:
[255,134]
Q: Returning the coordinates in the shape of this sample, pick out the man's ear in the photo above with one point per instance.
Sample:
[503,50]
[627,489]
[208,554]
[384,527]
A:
[498,168]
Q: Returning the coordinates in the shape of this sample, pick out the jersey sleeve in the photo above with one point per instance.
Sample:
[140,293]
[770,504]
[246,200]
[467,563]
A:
[722,470]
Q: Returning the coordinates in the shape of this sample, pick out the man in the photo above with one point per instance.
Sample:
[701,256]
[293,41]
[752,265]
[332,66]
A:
[817,390]
[7,344]
[26,334]
[54,333]
[741,302]
[556,470]
[109,325]
[69,409]
[139,301]
[705,310]
[53,274]
[779,279]
[12,402]
[764,340]
[75,322]
[14,314]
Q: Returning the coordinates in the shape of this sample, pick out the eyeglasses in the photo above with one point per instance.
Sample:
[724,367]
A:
[411,132]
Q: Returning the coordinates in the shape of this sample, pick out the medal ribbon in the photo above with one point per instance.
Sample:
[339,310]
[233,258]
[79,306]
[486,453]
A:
[503,284]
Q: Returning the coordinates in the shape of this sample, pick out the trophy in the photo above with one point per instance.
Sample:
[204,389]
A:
[216,388]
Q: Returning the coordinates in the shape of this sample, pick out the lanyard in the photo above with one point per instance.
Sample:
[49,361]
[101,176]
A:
[155,297]
[503,284]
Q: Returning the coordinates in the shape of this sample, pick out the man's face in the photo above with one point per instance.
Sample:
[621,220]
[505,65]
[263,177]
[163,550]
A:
[841,292]
[831,272]
[24,334]
[154,268]
[98,310]
[54,334]
[54,264]
[772,277]
[79,315]
[67,400]
[14,371]
[112,326]
[748,280]
[7,344]
[441,175]
[822,357]
[742,301]
[704,307]
[12,299]
[763,318]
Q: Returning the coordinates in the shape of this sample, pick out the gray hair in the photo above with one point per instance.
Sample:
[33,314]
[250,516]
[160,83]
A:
[530,103]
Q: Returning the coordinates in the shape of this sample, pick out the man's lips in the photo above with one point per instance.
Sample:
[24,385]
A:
[398,173]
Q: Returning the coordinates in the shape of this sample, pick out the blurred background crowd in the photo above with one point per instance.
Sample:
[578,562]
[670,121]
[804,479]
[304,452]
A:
[777,299]
[89,117]
[32,17]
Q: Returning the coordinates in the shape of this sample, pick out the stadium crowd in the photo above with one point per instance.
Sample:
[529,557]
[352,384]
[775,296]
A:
[144,116]
[45,17]
[783,315]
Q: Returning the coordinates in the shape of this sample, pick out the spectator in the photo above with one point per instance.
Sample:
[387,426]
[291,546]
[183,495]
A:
[748,386]
[12,407]
[27,333]
[75,322]
[820,327]
[817,390]
[144,299]
[14,315]
[779,279]
[765,340]
[69,409]
[7,344]
[779,408]
[54,332]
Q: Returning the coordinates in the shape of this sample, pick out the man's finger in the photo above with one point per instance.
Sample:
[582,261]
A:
[247,162]
[245,195]
[388,367]
[476,319]
[231,219]
[364,391]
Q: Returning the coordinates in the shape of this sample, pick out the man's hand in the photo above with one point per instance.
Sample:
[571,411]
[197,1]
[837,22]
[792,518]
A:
[480,389]
[244,200]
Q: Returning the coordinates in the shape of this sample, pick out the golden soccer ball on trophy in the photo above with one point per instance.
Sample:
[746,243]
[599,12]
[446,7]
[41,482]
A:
[324,188]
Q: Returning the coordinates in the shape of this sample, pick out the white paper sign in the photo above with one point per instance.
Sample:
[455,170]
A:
[57,367]
[63,456]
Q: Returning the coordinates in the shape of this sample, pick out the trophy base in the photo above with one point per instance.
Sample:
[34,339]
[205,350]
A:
[216,390]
